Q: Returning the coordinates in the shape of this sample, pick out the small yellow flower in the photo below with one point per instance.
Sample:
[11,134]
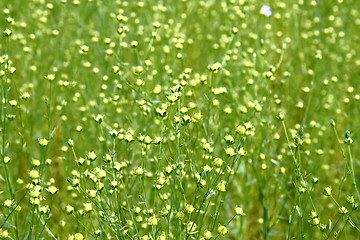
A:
[7,159]
[215,102]
[207,168]
[134,44]
[139,82]
[156,25]
[87,207]
[34,201]
[52,189]
[189,208]
[145,237]
[138,219]
[138,69]
[35,192]
[3,233]
[239,211]
[50,77]
[99,118]
[218,162]
[229,139]
[222,230]
[161,180]
[147,139]
[34,174]
[258,108]
[153,221]
[180,215]
[25,95]
[7,32]
[207,234]
[242,152]
[243,109]
[139,171]
[70,142]
[214,67]
[91,193]
[186,119]
[221,186]
[100,173]
[78,236]
[241,129]
[173,97]
[84,49]
[315,221]
[191,227]
[13,103]
[343,210]
[327,191]
[230,151]
[350,199]
[227,110]
[91,156]
[157,89]
[44,209]
[8,203]
[69,209]
[43,142]
[35,162]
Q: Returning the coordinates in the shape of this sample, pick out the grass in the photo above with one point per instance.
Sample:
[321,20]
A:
[183,119]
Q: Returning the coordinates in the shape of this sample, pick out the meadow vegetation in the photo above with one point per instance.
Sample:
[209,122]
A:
[179,119]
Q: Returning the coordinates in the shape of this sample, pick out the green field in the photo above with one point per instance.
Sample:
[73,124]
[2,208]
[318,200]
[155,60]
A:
[179,119]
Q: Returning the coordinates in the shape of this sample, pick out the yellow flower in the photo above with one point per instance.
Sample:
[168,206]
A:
[230,151]
[69,209]
[3,233]
[218,162]
[191,227]
[78,236]
[34,174]
[153,221]
[52,189]
[207,234]
[8,203]
[139,171]
[7,32]
[43,142]
[91,156]
[327,191]
[221,186]
[50,77]
[222,230]
[189,208]
[239,211]
[87,207]
[138,69]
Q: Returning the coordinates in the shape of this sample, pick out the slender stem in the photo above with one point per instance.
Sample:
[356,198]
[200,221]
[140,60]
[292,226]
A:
[352,170]
[299,173]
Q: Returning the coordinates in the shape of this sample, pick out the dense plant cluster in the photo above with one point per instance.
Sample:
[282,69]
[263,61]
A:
[192,120]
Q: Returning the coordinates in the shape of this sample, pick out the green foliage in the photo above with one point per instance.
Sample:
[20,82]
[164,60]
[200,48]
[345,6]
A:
[179,119]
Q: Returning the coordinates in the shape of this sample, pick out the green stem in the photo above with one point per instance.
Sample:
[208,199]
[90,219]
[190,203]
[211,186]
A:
[352,171]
